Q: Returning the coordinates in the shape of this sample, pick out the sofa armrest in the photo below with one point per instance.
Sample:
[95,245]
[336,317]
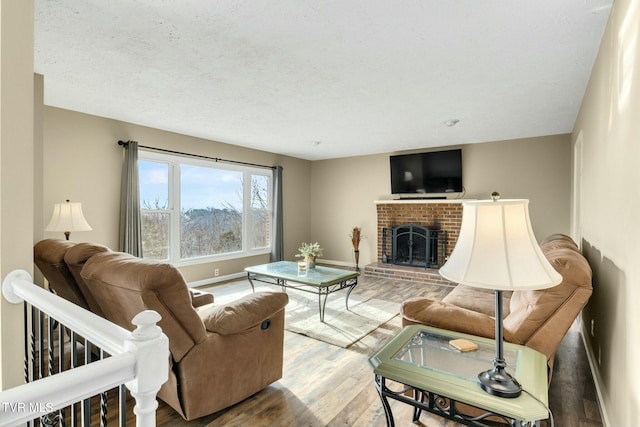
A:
[199,298]
[244,313]
[450,317]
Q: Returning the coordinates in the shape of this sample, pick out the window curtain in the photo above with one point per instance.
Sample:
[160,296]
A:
[277,233]
[130,224]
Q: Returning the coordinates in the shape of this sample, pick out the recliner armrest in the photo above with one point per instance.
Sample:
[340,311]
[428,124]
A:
[450,317]
[244,313]
[199,298]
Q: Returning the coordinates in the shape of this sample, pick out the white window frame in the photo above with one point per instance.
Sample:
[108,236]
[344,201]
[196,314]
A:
[174,162]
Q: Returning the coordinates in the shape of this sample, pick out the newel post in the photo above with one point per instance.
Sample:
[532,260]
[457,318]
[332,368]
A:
[151,348]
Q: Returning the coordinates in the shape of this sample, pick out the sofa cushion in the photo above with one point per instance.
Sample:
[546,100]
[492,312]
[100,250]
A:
[439,314]
[75,258]
[478,299]
[572,266]
[48,256]
[531,309]
[125,285]
[558,241]
[80,253]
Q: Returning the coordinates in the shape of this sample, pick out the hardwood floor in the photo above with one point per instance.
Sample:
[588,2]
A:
[324,385]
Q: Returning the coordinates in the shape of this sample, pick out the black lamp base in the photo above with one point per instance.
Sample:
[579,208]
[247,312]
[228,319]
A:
[499,383]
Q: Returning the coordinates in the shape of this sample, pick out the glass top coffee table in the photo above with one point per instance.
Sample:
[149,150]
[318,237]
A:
[441,378]
[319,280]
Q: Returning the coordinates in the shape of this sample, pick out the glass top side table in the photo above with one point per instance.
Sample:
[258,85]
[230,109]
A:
[421,358]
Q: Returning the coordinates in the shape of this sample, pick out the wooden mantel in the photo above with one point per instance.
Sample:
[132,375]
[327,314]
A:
[418,201]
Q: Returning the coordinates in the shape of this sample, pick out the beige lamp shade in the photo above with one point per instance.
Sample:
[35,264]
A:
[497,249]
[68,217]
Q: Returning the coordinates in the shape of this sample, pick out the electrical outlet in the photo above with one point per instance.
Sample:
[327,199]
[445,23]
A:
[593,327]
[216,272]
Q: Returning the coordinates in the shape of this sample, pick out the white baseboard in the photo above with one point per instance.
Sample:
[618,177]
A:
[334,262]
[214,280]
[595,373]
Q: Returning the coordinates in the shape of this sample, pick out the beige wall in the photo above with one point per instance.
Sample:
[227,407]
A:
[38,162]
[16,172]
[324,200]
[343,190]
[83,163]
[608,212]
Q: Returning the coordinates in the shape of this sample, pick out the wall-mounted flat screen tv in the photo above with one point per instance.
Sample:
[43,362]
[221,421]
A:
[427,173]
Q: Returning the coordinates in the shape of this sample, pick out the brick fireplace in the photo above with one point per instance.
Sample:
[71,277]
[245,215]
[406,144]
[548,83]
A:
[437,215]
[445,215]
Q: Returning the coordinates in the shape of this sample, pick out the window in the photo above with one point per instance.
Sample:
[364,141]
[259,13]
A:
[197,210]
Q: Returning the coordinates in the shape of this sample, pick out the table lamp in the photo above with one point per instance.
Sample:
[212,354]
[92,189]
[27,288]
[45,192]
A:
[497,250]
[68,217]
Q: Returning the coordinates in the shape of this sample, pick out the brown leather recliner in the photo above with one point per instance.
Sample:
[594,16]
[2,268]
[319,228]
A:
[220,354]
[48,256]
[60,262]
[538,319]
[75,258]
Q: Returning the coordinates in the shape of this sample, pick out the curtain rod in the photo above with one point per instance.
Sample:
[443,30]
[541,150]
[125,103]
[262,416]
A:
[216,159]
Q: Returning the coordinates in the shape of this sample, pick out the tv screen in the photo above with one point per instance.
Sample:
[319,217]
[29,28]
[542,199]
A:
[427,173]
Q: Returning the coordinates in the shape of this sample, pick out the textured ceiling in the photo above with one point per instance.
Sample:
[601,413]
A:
[324,79]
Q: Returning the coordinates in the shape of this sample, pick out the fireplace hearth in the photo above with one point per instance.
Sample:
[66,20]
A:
[414,245]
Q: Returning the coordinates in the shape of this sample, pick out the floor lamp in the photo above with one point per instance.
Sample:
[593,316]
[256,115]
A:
[496,249]
[67,217]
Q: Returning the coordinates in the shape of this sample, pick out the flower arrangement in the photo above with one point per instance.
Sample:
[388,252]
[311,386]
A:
[309,250]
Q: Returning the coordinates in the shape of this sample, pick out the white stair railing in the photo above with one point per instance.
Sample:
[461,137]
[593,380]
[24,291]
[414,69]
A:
[137,359]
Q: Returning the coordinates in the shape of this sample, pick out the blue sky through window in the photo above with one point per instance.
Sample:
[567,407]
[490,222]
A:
[205,187]
[154,184]
[200,187]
